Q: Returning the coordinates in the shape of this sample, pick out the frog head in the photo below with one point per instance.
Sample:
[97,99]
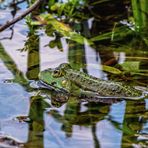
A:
[61,70]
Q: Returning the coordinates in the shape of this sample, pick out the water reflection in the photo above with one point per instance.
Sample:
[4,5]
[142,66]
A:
[36,123]
[11,66]
[132,125]
[76,114]
[74,123]
[84,124]
[33,61]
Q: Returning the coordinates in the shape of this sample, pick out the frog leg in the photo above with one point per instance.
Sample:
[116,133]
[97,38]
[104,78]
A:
[74,90]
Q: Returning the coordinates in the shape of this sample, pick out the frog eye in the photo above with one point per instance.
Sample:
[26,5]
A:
[56,72]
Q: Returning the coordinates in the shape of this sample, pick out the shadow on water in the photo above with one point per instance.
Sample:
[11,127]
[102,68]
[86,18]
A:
[76,123]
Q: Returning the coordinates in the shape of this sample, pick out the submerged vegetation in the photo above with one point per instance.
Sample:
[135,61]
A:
[104,38]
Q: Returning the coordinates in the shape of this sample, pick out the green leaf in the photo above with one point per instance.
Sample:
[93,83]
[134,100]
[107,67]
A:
[111,69]
[106,68]
[117,33]
[64,29]
[131,66]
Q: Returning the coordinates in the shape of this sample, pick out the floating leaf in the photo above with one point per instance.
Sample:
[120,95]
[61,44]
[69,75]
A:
[134,68]
[131,66]
[111,69]
[106,68]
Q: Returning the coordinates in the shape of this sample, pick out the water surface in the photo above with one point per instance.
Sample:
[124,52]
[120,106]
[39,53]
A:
[30,117]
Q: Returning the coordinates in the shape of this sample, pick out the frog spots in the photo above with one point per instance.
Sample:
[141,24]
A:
[95,85]
[63,67]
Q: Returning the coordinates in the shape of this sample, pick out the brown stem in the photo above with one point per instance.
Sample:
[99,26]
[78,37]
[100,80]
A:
[29,10]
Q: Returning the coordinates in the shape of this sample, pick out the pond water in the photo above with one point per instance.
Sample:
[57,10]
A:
[28,116]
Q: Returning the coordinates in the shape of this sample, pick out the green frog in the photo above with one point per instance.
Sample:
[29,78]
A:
[60,91]
[79,84]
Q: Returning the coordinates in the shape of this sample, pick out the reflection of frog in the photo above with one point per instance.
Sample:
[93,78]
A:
[88,85]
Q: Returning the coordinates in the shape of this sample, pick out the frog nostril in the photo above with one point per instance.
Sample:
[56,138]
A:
[53,83]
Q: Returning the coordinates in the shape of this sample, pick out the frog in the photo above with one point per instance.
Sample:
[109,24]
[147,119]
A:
[89,84]
[64,90]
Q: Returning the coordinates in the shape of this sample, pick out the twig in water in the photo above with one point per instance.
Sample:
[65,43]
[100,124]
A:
[29,10]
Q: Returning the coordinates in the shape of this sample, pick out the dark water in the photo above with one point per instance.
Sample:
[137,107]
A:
[28,116]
